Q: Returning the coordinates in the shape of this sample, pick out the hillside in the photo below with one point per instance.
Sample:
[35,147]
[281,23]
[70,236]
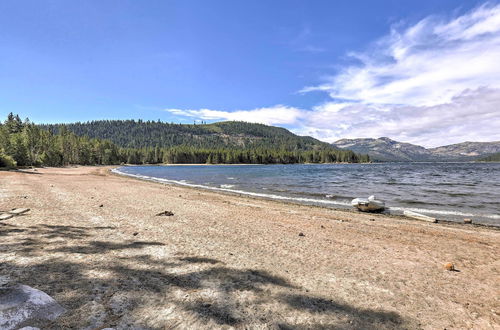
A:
[140,134]
[385,149]
[27,144]
[466,150]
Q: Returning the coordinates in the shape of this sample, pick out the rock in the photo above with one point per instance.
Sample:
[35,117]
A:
[165,213]
[467,220]
[102,205]
[301,234]
[5,283]
[135,234]
[449,266]
[21,305]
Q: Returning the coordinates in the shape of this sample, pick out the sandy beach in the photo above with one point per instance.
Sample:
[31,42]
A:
[93,241]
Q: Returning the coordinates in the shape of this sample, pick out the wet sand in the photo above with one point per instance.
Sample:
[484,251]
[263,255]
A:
[92,241]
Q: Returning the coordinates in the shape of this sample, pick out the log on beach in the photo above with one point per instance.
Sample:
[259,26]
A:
[418,216]
[19,211]
[5,216]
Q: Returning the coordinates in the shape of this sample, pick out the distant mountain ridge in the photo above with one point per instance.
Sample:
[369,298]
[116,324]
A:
[388,150]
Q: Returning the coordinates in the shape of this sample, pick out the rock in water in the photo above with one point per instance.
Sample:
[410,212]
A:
[21,305]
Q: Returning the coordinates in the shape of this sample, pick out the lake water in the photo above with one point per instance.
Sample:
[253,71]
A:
[448,191]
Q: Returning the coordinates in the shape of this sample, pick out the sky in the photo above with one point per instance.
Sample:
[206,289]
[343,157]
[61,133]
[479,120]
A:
[424,72]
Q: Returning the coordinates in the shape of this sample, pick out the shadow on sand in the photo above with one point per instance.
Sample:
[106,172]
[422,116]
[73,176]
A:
[125,285]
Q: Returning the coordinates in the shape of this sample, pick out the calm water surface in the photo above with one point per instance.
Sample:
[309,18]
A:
[450,191]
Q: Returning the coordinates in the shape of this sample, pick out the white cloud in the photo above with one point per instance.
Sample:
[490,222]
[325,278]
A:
[277,115]
[473,115]
[433,83]
[426,64]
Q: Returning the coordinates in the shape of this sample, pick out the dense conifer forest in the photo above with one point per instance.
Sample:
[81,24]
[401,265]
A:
[231,134]
[491,158]
[22,143]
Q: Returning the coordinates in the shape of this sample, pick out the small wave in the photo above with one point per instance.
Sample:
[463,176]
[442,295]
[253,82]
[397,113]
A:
[443,212]
[458,194]
[227,185]
[301,199]
[411,201]
[248,193]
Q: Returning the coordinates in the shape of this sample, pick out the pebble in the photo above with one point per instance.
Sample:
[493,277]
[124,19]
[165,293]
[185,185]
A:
[449,266]
[301,234]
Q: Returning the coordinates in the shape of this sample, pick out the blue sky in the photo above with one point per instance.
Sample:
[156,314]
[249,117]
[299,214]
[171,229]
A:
[315,67]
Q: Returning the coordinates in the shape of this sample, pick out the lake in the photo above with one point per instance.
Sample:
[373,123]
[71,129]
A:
[448,191]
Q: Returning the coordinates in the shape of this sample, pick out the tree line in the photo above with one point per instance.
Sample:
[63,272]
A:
[491,158]
[22,143]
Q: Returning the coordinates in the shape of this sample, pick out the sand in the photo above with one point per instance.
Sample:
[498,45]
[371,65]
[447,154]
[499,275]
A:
[93,242]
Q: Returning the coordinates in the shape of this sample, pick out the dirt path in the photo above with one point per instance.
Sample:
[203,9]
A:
[92,241]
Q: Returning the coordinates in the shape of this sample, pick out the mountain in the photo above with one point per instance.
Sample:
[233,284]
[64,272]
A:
[385,149]
[230,134]
[467,150]
[28,144]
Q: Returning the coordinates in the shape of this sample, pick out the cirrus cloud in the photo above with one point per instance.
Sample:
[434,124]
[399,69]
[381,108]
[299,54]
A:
[425,64]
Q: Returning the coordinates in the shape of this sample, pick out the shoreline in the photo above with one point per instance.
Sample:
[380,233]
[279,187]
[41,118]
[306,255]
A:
[114,171]
[95,243]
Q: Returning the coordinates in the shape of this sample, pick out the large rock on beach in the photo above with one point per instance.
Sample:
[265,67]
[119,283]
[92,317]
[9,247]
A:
[23,306]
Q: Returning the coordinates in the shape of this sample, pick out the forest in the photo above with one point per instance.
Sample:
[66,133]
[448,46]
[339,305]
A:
[23,143]
[230,134]
[491,158]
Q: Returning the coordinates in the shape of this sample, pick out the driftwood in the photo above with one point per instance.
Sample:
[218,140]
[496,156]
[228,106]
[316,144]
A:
[419,216]
[5,216]
[19,211]
[165,213]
